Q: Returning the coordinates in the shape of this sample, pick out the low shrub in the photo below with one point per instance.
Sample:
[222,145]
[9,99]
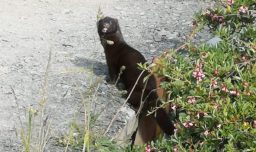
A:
[212,89]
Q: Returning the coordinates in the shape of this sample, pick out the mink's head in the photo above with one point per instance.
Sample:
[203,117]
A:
[109,32]
[107,26]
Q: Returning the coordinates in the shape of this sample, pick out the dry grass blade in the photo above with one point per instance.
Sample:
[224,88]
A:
[119,75]
[44,130]
[100,14]
[17,104]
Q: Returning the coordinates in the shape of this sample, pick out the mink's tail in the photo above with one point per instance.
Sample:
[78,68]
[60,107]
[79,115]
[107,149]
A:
[164,122]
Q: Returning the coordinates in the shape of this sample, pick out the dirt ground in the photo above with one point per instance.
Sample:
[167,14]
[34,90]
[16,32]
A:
[30,29]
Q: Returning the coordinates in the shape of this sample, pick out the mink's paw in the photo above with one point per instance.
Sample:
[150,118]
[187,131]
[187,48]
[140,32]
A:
[109,80]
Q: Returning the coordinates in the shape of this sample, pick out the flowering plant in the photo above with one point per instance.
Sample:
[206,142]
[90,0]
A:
[234,22]
[212,90]
[214,109]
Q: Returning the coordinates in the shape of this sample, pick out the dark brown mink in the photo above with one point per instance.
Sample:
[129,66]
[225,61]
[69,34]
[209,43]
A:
[118,53]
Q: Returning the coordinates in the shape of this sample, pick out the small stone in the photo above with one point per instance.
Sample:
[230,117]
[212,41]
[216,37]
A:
[68,12]
[152,50]
[84,83]
[118,8]
[157,37]
[163,32]
[4,70]
[171,36]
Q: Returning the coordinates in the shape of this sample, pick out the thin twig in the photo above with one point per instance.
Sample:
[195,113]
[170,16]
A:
[146,99]
[120,73]
[114,118]
[47,134]
[141,98]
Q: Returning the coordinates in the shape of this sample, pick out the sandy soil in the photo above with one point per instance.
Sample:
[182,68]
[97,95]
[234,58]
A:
[30,29]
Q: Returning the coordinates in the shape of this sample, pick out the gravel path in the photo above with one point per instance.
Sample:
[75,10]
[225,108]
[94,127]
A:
[30,29]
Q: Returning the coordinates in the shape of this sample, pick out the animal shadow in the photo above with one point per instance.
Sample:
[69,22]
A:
[98,68]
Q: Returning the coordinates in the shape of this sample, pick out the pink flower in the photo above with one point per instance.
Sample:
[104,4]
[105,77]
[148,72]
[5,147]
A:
[201,114]
[217,106]
[174,107]
[245,58]
[175,149]
[243,9]
[234,92]
[207,13]
[248,93]
[216,72]
[230,2]
[245,84]
[221,19]
[254,124]
[198,73]
[147,148]
[191,100]
[206,132]
[188,124]
[224,88]
[214,84]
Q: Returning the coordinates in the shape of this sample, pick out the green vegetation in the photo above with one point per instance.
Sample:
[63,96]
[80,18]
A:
[212,89]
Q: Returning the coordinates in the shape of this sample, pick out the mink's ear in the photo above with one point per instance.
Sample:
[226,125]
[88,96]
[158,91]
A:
[117,25]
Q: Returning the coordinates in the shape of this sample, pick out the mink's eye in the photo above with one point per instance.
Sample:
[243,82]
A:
[107,25]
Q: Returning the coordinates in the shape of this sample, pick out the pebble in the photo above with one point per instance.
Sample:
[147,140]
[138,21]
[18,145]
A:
[68,11]
[157,37]
[142,13]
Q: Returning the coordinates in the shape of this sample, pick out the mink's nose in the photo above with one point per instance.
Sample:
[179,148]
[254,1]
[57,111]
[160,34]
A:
[104,30]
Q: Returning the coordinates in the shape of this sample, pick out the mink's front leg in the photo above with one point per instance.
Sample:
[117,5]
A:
[112,74]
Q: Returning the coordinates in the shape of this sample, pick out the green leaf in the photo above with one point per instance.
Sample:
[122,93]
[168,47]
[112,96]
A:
[178,83]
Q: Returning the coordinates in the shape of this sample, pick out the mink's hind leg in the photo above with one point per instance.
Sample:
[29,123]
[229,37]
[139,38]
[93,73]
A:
[109,80]
[146,132]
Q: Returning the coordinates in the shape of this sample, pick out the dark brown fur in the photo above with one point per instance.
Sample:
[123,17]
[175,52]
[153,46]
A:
[148,128]
[119,54]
